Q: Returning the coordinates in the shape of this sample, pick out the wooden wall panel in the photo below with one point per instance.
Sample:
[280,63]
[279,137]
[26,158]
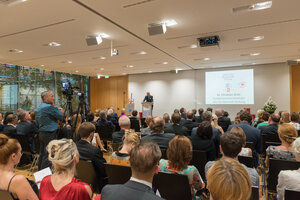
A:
[295,88]
[109,92]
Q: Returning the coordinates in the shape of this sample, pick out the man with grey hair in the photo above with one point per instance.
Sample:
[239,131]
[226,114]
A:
[124,123]
[223,121]
[114,119]
[46,116]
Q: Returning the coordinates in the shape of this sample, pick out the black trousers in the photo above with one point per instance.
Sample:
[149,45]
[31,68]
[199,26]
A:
[45,138]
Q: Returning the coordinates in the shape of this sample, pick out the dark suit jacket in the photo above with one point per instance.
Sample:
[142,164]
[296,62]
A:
[28,129]
[168,124]
[148,98]
[94,154]
[117,136]
[177,130]
[9,130]
[189,125]
[269,129]
[198,119]
[131,190]
[105,129]
[135,124]
[224,122]
[204,145]
[162,139]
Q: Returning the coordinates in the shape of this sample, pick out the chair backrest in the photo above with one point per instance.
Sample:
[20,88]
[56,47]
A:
[269,139]
[255,193]
[135,124]
[246,160]
[164,153]
[172,186]
[5,195]
[275,167]
[249,145]
[117,174]
[104,131]
[199,160]
[143,123]
[86,172]
[291,194]
[23,140]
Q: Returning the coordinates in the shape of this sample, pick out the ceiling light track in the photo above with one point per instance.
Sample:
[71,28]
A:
[128,31]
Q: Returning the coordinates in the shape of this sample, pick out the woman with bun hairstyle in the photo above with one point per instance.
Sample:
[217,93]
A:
[64,156]
[17,185]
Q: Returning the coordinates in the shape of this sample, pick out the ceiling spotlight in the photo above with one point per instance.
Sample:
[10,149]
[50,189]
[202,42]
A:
[164,63]
[42,65]
[253,7]
[129,66]
[139,53]
[206,59]
[93,40]
[256,38]
[254,54]
[203,59]
[67,61]
[101,68]
[100,58]
[192,46]
[76,71]
[53,44]
[149,71]
[98,76]
[170,22]
[15,51]
[156,29]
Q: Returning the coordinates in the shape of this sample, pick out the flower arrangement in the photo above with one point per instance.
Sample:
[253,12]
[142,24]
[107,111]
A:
[270,105]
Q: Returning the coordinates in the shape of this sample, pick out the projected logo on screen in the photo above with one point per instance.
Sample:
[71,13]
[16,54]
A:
[229,87]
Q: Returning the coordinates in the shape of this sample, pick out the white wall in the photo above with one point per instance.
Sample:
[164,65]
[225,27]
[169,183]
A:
[187,89]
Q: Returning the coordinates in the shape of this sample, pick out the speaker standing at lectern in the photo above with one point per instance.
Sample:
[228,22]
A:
[148,98]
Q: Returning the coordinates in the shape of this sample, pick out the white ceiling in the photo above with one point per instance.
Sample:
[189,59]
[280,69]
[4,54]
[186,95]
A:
[29,25]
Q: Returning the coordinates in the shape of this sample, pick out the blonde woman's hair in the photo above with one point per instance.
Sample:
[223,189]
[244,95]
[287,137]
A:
[61,154]
[296,147]
[287,132]
[130,137]
[214,122]
[227,179]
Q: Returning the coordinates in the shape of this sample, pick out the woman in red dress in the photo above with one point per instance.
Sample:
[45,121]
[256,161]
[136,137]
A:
[62,185]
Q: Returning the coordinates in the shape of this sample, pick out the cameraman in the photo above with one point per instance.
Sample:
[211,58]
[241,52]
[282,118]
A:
[47,115]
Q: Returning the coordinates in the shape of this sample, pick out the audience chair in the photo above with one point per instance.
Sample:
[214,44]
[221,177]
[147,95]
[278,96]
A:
[163,153]
[117,174]
[86,172]
[291,194]
[172,186]
[249,145]
[5,195]
[269,139]
[199,160]
[246,160]
[135,124]
[143,123]
[275,167]
[255,193]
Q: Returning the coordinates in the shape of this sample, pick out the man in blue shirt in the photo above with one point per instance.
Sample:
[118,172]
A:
[47,115]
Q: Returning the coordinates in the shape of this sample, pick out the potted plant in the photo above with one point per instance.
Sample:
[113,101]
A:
[270,106]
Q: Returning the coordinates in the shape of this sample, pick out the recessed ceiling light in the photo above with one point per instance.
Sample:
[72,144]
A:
[76,71]
[123,73]
[99,58]
[254,54]
[256,38]
[104,35]
[67,61]
[253,7]
[42,65]
[15,51]
[164,63]
[129,66]
[139,53]
[101,68]
[204,59]
[149,71]
[53,44]
[170,22]
[192,46]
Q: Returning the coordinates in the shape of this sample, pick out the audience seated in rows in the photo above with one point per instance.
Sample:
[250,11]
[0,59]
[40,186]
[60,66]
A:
[102,121]
[179,153]
[130,140]
[176,127]
[272,128]
[287,134]
[10,155]
[238,131]
[147,130]
[64,157]
[264,121]
[295,120]
[290,179]
[144,160]
[10,128]
[227,179]
[157,133]
[214,124]
[252,134]
[231,146]
[223,121]
[89,152]
[189,122]
[124,123]
[203,141]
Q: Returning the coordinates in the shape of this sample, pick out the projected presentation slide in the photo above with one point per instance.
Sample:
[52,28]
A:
[229,87]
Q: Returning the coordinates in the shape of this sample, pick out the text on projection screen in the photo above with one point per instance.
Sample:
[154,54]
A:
[229,87]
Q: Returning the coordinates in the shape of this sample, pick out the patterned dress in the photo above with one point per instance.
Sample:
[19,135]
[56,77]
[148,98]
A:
[118,158]
[191,171]
[274,152]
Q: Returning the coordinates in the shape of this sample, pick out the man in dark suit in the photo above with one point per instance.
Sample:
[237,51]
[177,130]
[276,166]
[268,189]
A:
[198,119]
[272,128]
[176,127]
[124,123]
[166,118]
[252,134]
[10,128]
[134,121]
[148,98]
[89,152]
[223,121]
[188,123]
[158,135]
[25,127]
[144,160]
[113,118]
[105,128]
[183,113]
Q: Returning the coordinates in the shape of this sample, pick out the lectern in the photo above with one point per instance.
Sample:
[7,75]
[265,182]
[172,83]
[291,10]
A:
[147,109]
